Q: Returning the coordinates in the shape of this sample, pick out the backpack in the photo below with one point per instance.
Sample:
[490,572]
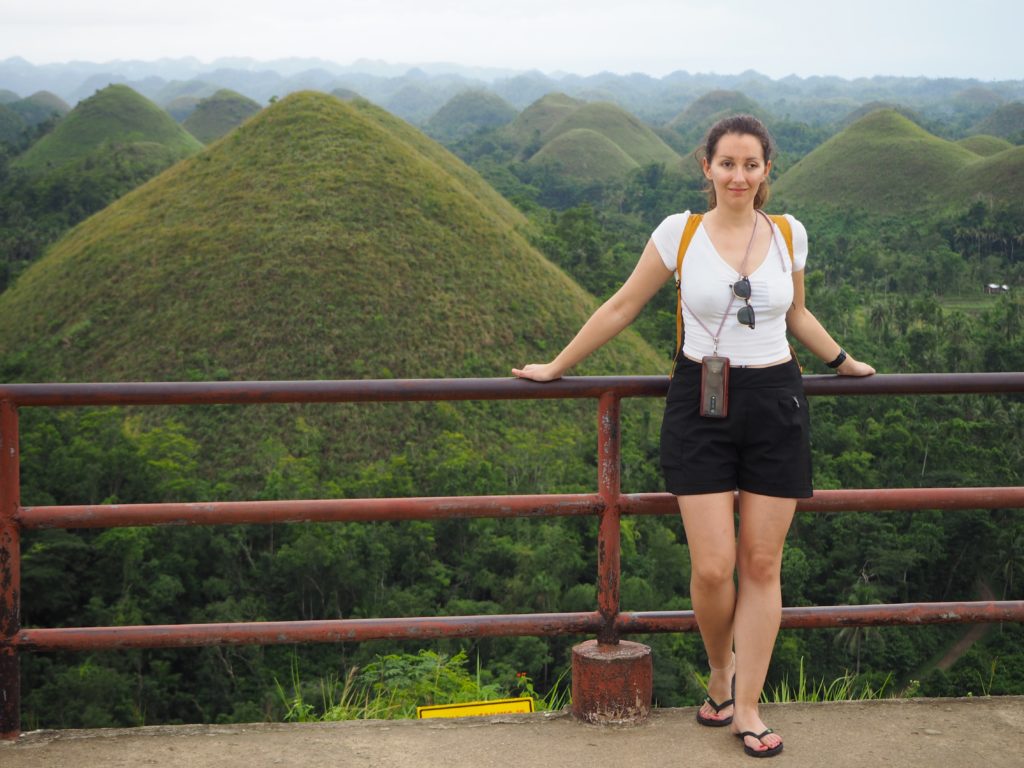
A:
[688,231]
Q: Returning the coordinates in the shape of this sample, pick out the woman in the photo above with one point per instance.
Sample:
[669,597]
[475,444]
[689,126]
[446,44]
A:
[741,290]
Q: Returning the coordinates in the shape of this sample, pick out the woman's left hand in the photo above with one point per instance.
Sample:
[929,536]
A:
[851,367]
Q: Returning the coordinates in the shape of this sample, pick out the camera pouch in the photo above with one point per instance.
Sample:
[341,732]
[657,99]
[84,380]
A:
[714,387]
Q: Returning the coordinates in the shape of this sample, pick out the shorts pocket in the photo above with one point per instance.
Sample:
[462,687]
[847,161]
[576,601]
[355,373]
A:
[792,410]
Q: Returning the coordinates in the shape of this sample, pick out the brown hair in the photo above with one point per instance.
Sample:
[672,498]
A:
[745,125]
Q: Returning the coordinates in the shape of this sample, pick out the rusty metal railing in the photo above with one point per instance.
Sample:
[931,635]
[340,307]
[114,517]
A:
[608,504]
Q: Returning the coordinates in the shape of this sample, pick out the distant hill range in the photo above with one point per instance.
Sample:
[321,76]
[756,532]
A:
[321,239]
[884,163]
[416,92]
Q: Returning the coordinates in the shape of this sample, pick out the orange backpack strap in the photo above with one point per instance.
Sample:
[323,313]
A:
[691,227]
[787,233]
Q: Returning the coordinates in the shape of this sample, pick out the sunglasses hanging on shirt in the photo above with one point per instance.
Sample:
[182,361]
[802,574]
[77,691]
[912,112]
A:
[741,290]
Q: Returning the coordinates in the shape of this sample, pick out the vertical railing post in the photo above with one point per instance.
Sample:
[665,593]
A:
[612,679]
[10,573]
[609,474]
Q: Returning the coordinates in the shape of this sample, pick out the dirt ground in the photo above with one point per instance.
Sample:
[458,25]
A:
[948,733]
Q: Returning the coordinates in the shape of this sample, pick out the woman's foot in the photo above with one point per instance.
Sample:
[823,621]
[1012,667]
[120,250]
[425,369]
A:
[717,709]
[758,739]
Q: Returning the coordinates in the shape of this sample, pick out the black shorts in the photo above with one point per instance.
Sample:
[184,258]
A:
[762,446]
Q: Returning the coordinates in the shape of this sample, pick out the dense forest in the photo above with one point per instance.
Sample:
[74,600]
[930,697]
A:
[903,289]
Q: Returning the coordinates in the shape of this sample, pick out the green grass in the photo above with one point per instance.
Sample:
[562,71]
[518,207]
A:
[973,303]
[393,686]
[846,687]
[116,115]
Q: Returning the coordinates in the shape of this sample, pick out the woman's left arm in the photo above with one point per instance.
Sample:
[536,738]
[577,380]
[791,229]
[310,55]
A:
[812,334]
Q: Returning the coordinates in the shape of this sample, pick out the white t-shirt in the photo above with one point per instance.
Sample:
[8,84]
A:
[707,288]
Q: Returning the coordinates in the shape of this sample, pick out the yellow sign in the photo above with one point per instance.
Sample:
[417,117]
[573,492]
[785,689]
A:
[475,708]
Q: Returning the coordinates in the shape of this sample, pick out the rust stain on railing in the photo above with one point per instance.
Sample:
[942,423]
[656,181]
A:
[608,504]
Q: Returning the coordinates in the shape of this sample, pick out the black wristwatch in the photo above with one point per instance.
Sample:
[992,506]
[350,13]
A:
[840,359]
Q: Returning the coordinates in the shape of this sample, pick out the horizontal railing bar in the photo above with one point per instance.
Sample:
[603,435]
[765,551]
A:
[336,631]
[445,507]
[506,625]
[832,616]
[397,390]
[308,511]
[861,500]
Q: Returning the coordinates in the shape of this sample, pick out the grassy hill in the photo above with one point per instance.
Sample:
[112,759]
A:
[114,116]
[215,115]
[884,163]
[698,116]
[538,118]
[984,145]
[583,156]
[469,112]
[322,239]
[624,130]
[999,177]
[39,107]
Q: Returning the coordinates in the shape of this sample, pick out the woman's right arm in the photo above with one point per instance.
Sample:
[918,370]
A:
[610,318]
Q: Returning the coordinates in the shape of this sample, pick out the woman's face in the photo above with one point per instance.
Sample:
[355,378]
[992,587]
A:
[737,169]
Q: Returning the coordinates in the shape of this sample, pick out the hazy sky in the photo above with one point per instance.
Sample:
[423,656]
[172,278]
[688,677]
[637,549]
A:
[981,38]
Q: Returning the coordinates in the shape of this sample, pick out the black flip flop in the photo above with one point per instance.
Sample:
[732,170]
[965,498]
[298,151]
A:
[714,722]
[770,752]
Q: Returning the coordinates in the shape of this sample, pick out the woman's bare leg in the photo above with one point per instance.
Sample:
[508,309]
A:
[764,523]
[711,538]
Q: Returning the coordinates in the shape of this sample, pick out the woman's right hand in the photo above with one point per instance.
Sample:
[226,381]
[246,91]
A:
[537,372]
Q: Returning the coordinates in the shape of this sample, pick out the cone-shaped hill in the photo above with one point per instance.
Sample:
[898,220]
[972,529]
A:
[884,163]
[469,112]
[592,142]
[542,115]
[321,239]
[40,106]
[1006,122]
[698,116]
[623,129]
[985,145]
[215,115]
[116,116]
[585,156]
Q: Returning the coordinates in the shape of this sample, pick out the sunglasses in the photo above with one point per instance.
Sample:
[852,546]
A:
[741,290]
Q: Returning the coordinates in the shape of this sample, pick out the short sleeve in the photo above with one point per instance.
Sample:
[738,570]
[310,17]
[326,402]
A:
[667,236]
[799,244]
